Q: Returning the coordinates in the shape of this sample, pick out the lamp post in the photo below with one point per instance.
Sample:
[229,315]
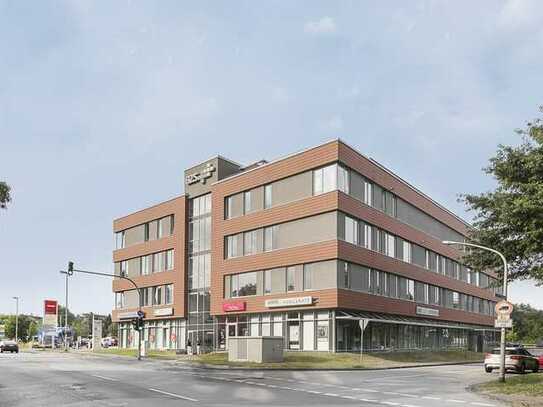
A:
[16,318]
[502,338]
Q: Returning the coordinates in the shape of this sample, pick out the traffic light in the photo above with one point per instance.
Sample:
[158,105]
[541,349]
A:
[136,324]
[70,268]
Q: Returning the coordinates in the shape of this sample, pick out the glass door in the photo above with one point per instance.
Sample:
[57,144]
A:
[231,330]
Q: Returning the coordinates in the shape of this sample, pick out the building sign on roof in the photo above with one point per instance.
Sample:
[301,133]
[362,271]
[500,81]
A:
[289,302]
[201,175]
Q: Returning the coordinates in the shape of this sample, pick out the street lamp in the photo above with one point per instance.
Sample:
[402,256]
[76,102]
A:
[502,339]
[16,317]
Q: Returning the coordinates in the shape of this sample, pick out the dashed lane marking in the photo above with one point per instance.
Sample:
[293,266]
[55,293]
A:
[111,379]
[172,394]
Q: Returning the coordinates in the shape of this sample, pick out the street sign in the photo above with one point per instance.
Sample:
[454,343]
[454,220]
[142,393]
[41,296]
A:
[504,308]
[141,314]
[503,323]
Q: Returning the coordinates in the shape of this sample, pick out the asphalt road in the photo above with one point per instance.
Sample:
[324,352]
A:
[56,379]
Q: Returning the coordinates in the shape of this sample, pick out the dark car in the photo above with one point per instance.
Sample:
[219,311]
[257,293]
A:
[9,346]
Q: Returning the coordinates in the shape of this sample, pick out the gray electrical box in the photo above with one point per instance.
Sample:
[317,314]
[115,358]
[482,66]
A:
[258,349]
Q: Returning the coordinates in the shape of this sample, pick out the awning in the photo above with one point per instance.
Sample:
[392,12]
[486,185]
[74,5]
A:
[403,320]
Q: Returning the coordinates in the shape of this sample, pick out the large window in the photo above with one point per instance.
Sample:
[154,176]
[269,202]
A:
[243,285]
[168,294]
[250,242]
[268,199]
[270,238]
[330,178]
[119,300]
[274,281]
[157,295]
[351,230]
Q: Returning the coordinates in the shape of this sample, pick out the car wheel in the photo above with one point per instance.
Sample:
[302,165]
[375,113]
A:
[521,369]
[488,369]
[536,368]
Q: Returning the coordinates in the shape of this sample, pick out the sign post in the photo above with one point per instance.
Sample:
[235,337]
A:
[503,320]
[363,325]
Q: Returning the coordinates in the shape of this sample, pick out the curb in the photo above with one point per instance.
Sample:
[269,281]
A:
[325,369]
[176,362]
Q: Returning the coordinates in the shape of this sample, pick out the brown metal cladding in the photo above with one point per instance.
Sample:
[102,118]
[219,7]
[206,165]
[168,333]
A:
[177,276]
[332,298]
[367,302]
[374,172]
[379,261]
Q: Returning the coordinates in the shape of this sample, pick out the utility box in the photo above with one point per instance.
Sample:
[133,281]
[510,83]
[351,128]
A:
[259,349]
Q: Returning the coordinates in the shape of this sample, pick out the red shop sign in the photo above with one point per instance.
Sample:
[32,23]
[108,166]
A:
[234,306]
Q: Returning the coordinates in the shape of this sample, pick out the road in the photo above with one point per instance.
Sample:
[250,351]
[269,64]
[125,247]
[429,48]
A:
[56,379]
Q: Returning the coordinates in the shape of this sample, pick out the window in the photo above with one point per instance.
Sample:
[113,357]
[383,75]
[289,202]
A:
[234,245]
[274,281]
[243,285]
[329,178]
[342,179]
[119,300]
[157,295]
[407,252]
[144,297]
[351,230]
[247,202]
[119,240]
[368,236]
[295,278]
[270,238]
[317,182]
[320,275]
[455,300]
[433,295]
[146,264]
[228,207]
[158,262]
[169,260]
[345,274]
[249,243]
[418,255]
[389,200]
[390,245]
[268,196]
[368,193]
[168,294]
[410,290]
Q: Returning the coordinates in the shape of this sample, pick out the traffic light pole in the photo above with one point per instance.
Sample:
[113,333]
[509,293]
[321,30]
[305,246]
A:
[140,334]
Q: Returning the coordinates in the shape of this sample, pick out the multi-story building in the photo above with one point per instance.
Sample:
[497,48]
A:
[304,247]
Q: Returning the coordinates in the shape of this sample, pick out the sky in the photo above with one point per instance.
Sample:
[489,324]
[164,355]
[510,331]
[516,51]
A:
[104,104]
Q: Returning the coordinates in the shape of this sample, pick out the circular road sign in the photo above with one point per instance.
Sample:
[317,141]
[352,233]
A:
[504,308]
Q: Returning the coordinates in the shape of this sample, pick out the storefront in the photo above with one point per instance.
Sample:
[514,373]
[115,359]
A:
[339,331]
[160,334]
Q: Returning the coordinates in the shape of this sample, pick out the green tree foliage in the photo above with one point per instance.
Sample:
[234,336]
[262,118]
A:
[26,328]
[5,194]
[510,218]
[527,324]
[61,316]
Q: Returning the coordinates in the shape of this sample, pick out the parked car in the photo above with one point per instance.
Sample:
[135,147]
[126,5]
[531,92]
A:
[108,341]
[9,346]
[540,360]
[517,359]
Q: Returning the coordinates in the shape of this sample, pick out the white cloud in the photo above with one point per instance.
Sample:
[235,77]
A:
[325,25]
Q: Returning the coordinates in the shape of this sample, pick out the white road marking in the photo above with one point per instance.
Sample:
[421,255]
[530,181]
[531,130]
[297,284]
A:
[172,394]
[105,378]
[390,403]
[369,400]
[331,394]
[430,398]
[455,401]
[482,404]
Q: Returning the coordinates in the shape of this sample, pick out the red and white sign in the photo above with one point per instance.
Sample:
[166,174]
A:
[234,306]
[50,307]
[50,310]
[504,308]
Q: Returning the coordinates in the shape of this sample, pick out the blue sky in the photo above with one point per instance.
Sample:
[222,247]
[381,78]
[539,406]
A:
[104,104]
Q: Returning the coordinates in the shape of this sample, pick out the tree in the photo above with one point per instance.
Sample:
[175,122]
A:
[527,324]
[5,196]
[26,327]
[510,218]
[61,316]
